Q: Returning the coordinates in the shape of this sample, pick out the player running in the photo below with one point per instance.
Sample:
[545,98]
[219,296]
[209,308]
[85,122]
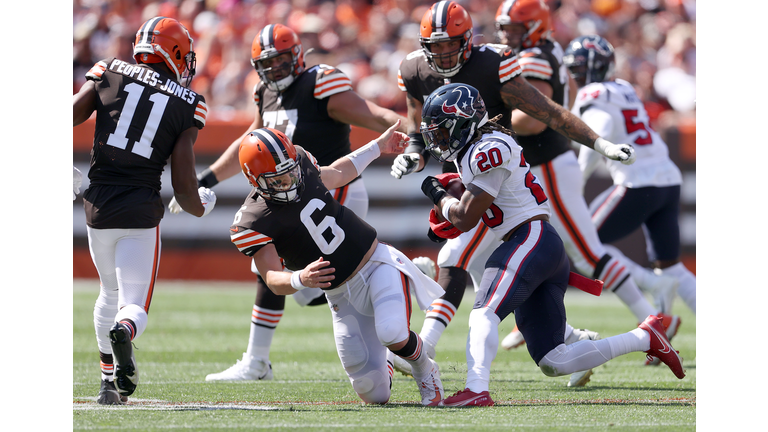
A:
[144,115]
[449,56]
[644,195]
[529,272]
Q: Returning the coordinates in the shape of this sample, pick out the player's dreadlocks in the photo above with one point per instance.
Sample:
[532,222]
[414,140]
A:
[488,127]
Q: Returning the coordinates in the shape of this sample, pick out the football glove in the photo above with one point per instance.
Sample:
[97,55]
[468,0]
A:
[443,230]
[77,181]
[404,164]
[174,206]
[207,198]
[623,153]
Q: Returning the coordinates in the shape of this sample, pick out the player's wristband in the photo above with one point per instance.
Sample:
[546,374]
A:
[363,156]
[448,206]
[296,281]
[207,179]
[416,144]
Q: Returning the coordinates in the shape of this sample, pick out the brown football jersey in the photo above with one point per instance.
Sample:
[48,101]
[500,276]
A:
[488,68]
[545,62]
[140,114]
[301,112]
[303,231]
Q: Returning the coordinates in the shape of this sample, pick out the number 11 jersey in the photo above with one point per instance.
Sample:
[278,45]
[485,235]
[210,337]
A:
[140,114]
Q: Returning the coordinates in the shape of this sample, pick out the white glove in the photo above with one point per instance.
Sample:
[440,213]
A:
[174,206]
[77,181]
[623,153]
[208,198]
[405,164]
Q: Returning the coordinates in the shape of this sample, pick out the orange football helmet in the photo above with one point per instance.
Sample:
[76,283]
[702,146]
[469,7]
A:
[446,21]
[162,39]
[272,41]
[532,14]
[270,162]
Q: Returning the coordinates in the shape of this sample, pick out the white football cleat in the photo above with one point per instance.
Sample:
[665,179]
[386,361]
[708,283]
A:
[402,366]
[513,340]
[426,265]
[248,369]
[431,387]
[580,379]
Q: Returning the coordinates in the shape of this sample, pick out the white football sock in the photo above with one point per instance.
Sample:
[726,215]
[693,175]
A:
[482,345]
[260,338]
[687,288]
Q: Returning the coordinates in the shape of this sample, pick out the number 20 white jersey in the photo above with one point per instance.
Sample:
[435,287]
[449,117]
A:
[518,197]
[614,111]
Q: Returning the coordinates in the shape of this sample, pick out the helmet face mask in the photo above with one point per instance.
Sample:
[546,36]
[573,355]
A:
[450,117]
[589,59]
[446,21]
[271,164]
[273,41]
[162,39]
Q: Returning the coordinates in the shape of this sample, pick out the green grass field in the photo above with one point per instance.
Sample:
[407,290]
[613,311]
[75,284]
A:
[199,328]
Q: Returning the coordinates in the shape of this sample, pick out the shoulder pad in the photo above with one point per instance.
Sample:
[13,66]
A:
[533,65]
[247,241]
[329,81]
[201,112]
[256,87]
[96,71]
[491,152]
[309,155]
[590,92]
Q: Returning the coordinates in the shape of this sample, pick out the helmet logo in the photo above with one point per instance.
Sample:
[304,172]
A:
[590,44]
[460,104]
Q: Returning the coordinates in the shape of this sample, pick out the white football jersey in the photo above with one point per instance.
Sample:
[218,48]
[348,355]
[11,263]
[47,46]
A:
[496,165]
[614,111]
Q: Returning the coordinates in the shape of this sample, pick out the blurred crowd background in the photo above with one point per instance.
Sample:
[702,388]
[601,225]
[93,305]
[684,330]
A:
[655,42]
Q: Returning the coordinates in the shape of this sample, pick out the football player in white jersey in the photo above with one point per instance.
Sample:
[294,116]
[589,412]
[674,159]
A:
[645,194]
[524,25]
[529,272]
[449,56]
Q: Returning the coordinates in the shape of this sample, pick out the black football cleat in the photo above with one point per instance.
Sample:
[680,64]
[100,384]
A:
[126,374]
[108,394]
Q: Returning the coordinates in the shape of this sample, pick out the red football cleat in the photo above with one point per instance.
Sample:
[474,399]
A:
[466,398]
[671,323]
[660,346]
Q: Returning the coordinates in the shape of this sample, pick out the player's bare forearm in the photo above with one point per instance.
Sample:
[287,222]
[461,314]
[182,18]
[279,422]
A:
[84,103]
[518,93]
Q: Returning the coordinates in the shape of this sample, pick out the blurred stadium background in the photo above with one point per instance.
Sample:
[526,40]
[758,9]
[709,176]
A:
[655,42]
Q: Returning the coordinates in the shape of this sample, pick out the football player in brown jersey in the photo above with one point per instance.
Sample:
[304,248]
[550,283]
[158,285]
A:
[314,107]
[449,56]
[291,220]
[524,25]
[144,115]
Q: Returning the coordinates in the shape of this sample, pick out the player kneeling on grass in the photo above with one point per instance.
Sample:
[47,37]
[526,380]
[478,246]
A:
[290,220]
[529,272]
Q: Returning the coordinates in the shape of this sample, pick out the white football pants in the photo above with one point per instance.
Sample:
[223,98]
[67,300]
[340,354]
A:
[127,261]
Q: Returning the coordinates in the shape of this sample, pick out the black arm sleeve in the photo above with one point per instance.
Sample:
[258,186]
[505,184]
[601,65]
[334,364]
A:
[207,179]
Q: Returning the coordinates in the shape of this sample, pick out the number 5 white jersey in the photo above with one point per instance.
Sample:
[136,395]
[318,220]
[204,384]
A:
[614,111]
[496,165]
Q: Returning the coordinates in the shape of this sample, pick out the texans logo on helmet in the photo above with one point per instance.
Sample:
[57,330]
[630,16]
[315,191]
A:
[590,44]
[462,94]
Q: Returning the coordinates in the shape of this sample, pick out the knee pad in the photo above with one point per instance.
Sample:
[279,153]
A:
[552,362]
[373,387]
[350,345]
[391,329]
